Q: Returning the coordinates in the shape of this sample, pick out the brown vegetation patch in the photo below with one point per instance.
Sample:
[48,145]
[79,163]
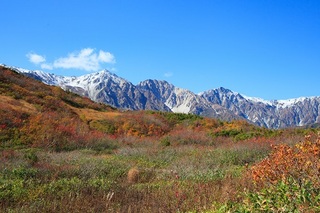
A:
[133,175]
[17,105]
[90,114]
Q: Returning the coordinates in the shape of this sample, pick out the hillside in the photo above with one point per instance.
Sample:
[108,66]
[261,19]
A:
[61,152]
[221,103]
[35,114]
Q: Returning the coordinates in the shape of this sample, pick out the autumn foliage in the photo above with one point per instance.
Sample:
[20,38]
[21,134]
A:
[301,162]
[65,153]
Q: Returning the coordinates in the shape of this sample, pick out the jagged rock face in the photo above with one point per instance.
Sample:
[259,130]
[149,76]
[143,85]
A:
[184,101]
[303,112]
[271,114]
[220,103]
[162,90]
[111,89]
[178,100]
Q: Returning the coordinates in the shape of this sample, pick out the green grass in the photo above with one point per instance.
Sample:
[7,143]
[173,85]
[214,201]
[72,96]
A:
[171,178]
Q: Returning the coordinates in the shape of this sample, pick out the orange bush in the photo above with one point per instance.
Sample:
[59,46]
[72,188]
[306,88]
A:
[301,162]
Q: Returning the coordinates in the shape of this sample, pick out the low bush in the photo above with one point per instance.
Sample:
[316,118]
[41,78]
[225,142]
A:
[288,180]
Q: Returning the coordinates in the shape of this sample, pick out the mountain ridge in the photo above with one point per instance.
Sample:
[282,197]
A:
[222,103]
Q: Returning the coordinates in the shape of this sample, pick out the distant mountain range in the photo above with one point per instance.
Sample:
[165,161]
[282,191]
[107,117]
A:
[222,103]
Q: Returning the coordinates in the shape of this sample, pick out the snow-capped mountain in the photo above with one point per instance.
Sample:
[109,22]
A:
[183,101]
[106,87]
[103,86]
[272,114]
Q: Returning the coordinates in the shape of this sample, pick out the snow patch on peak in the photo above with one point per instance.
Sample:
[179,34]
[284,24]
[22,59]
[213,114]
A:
[106,74]
[291,102]
[149,82]
[201,93]
[221,91]
[257,100]
[279,103]
[227,91]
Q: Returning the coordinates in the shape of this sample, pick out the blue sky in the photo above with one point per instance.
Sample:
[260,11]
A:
[261,48]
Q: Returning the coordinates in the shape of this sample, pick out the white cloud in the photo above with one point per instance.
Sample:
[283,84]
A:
[35,58]
[168,74]
[86,59]
[46,66]
[106,57]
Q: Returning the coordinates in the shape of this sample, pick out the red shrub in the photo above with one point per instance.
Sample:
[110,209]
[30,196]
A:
[301,162]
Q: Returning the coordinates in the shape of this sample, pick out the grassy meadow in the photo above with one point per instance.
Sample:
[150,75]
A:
[133,174]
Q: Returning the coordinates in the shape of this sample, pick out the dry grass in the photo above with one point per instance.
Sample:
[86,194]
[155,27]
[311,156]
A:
[140,176]
[133,175]
[90,114]
[20,105]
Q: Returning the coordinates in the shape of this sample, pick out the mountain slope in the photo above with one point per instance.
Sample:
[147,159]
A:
[103,86]
[221,103]
[33,114]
